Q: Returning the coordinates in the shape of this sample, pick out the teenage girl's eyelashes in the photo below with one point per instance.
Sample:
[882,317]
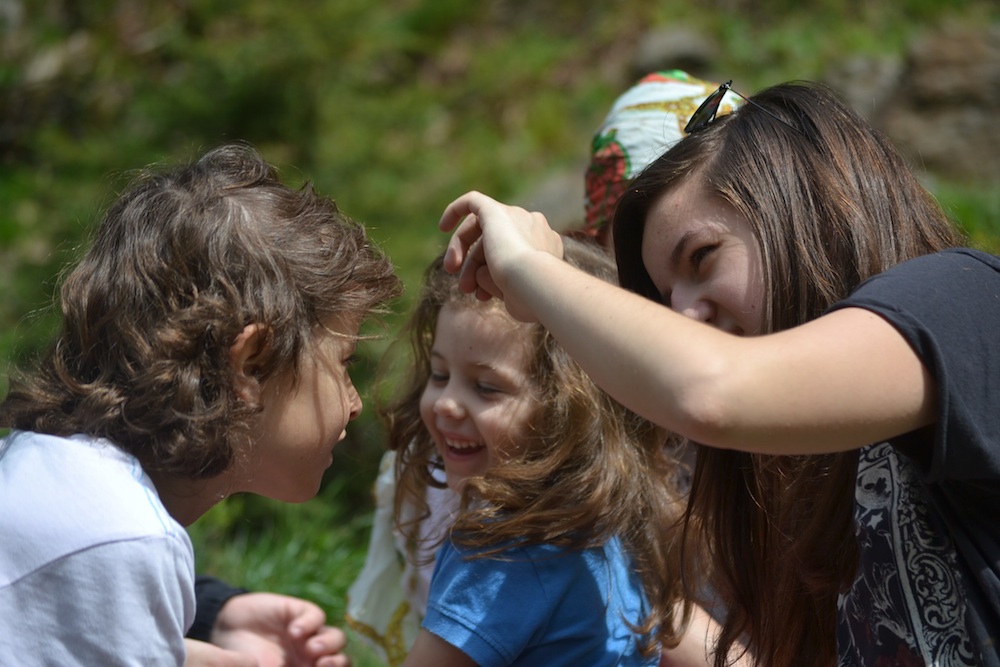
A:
[350,360]
[700,254]
[695,259]
[438,378]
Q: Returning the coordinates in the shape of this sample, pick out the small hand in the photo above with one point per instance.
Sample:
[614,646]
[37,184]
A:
[203,654]
[279,631]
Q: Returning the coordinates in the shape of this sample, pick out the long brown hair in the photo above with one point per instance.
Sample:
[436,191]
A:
[591,469]
[831,202]
[181,262]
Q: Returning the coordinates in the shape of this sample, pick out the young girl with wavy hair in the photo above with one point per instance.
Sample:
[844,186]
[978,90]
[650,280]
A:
[388,599]
[556,555]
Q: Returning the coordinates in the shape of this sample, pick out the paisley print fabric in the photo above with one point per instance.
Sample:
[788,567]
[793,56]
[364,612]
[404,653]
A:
[905,607]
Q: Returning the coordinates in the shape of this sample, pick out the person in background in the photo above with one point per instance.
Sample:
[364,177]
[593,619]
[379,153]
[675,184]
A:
[204,350]
[642,124]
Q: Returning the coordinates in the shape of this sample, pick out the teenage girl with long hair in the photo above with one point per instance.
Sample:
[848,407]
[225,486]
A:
[848,480]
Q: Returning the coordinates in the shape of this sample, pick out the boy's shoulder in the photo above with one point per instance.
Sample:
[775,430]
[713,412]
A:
[59,496]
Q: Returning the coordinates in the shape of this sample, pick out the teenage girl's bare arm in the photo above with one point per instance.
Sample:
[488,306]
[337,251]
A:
[695,649]
[837,383]
[429,650]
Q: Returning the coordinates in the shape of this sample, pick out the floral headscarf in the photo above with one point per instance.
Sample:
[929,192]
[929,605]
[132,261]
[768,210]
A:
[643,123]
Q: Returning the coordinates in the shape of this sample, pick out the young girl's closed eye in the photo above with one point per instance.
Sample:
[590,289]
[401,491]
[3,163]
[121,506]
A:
[485,381]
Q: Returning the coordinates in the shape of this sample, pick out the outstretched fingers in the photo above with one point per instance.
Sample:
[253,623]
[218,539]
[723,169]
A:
[465,250]
[489,238]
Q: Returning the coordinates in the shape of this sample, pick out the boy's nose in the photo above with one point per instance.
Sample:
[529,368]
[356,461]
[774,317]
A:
[356,404]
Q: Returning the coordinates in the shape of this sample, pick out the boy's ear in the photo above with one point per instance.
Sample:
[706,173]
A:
[244,355]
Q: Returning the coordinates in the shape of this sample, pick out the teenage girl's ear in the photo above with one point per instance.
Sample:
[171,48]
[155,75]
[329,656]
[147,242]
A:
[244,357]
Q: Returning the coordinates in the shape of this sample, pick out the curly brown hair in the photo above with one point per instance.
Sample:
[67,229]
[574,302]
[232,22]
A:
[180,264]
[591,469]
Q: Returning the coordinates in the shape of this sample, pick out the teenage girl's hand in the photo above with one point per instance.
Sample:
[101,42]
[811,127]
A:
[492,242]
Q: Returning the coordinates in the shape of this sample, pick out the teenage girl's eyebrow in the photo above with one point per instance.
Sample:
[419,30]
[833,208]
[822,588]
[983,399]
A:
[680,249]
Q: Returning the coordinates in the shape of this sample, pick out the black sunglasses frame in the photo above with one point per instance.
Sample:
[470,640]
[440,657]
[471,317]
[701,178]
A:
[705,114]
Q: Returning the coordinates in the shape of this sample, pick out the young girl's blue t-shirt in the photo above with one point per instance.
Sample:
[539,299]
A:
[539,605]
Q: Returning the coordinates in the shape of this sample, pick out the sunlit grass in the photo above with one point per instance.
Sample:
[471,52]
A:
[976,208]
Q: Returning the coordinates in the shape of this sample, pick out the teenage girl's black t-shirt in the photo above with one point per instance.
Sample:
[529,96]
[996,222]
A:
[928,504]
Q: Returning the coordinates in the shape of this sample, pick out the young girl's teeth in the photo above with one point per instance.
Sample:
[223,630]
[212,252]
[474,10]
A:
[455,444]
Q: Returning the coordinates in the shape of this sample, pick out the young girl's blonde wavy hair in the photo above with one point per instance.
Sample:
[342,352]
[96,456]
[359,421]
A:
[590,468]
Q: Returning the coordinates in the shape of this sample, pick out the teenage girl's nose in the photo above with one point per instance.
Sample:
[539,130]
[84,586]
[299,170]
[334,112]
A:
[691,303]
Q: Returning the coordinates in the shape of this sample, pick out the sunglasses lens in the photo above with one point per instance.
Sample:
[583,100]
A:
[705,114]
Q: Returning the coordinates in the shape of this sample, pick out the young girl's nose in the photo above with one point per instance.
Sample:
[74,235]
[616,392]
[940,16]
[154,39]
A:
[447,406]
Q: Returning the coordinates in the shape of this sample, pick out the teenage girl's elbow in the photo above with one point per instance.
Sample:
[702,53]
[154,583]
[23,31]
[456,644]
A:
[704,411]
[702,419]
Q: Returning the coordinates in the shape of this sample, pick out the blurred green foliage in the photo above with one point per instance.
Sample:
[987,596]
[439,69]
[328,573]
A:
[392,107]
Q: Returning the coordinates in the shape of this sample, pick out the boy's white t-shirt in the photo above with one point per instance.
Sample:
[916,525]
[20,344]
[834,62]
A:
[93,569]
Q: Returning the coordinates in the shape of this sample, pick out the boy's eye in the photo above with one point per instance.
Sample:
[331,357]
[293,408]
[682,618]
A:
[438,377]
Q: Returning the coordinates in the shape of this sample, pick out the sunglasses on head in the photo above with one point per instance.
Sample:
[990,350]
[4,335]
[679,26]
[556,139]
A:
[705,114]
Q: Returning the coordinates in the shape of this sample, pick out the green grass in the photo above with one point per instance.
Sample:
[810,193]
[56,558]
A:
[976,208]
[392,107]
[313,550]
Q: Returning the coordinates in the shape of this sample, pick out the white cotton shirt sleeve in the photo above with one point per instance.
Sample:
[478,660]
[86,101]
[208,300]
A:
[93,570]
